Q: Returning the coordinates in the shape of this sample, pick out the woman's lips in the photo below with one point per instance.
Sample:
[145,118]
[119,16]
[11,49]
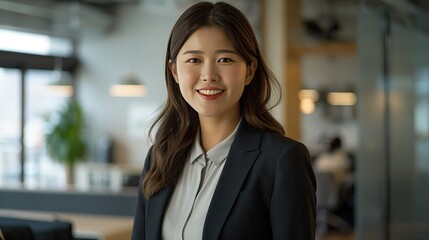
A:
[210,94]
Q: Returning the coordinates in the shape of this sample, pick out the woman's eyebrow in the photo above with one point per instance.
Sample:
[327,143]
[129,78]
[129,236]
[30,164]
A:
[192,52]
[226,51]
[217,51]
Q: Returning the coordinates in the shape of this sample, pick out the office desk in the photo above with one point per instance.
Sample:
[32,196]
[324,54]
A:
[84,226]
[93,202]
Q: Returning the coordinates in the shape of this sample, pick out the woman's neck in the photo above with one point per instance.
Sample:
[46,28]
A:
[215,130]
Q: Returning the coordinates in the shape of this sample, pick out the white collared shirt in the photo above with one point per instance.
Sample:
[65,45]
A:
[186,213]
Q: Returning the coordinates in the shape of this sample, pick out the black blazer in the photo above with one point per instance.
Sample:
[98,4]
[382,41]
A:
[266,191]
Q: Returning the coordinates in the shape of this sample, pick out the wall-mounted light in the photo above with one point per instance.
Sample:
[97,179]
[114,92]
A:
[341,98]
[308,98]
[129,86]
[307,106]
[336,105]
[309,94]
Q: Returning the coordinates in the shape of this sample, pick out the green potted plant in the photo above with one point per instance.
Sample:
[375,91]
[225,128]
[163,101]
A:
[64,137]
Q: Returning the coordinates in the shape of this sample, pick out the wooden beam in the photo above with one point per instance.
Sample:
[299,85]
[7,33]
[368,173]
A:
[331,47]
[34,61]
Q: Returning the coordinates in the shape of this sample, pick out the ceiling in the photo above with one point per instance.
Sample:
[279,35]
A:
[422,4]
[62,18]
[96,16]
[108,6]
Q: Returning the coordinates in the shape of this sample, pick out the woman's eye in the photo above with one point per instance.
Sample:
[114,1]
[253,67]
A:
[225,60]
[194,60]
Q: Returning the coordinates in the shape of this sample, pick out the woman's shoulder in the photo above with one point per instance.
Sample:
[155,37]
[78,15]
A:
[268,140]
[284,153]
[271,139]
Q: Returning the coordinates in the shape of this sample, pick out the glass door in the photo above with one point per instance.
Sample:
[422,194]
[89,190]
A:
[393,158]
[409,135]
[370,157]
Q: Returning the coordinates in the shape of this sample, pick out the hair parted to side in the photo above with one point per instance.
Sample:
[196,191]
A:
[177,124]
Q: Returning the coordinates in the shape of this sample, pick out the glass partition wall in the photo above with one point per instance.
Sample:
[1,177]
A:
[393,158]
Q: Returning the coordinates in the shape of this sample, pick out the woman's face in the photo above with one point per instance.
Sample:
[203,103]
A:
[211,74]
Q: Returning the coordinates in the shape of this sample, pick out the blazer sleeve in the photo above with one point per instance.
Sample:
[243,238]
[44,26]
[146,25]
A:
[293,202]
[138,232]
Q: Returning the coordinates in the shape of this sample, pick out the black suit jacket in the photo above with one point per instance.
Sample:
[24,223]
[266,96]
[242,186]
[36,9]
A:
[266,191]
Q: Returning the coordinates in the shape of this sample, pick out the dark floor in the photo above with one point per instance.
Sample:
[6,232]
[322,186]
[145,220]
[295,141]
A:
[338,236]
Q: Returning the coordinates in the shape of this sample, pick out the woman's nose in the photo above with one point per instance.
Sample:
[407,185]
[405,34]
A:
[209,73]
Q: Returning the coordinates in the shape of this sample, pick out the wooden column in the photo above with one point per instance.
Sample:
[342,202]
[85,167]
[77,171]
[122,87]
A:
[292,74]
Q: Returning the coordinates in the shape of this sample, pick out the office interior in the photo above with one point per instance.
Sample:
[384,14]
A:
[353,69]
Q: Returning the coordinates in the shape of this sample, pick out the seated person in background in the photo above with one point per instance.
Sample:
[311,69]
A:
[335,160]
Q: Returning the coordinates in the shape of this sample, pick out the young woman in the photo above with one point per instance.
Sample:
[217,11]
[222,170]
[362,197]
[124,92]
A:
[220,167]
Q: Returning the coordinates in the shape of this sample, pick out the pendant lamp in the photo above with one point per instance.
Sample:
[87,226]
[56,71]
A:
[129,86]
[61,85]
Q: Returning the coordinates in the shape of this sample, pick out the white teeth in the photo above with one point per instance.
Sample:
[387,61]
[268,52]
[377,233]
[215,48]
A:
[209,92]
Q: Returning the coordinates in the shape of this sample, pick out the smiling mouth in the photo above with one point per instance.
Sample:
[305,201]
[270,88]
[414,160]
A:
[210,92]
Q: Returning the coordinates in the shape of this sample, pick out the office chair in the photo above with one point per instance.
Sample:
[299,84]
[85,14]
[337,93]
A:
[327,194]
[30,229]
[14,232]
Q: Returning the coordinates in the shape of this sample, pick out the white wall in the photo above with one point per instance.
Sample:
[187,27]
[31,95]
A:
[273,47]
[137,43]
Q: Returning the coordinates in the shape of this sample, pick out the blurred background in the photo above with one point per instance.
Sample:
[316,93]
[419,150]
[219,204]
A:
[81,80]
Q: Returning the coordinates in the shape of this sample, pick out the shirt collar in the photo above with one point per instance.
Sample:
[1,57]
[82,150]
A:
[197,150]
[218,153]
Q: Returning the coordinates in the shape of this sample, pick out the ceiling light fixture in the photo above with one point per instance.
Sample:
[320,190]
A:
[342,98]
[129,86]
[61,85]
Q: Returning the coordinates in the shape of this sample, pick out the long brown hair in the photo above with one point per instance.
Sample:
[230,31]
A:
[178,123]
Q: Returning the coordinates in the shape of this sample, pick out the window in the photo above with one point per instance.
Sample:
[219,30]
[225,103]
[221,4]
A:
[25,105]
[10,130]
[40,170]
[34,43]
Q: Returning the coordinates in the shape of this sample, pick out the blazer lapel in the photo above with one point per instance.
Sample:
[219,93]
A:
[243,153]
[155,210]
